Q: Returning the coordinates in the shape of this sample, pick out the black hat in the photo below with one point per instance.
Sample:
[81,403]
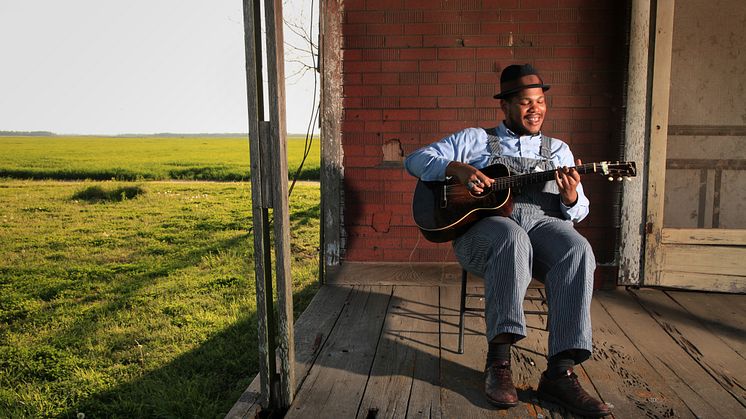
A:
[515,78]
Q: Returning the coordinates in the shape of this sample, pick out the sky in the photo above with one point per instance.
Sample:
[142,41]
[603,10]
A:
[138,66]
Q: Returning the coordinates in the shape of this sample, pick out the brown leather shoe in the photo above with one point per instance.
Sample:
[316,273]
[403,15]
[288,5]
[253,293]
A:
[498,385]
[567,392]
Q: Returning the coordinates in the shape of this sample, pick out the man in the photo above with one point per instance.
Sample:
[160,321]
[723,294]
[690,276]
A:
[539,235]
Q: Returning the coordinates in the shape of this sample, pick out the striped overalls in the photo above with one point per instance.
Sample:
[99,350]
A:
[503,251]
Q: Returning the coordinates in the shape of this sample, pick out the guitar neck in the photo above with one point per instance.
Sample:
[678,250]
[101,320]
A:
[538,177]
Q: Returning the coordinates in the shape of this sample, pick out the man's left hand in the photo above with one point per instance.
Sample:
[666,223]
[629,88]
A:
[567,179]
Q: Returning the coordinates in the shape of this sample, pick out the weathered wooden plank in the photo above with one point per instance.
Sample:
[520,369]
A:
[462,375]
[723,314]
[659,104]
[335,385]
[632,209]
[723,364]
[404,380]
[622,375]
[332,167]
[369,273]
[718,236]
[701,394]
[703,281]
[722,260]
[311,331]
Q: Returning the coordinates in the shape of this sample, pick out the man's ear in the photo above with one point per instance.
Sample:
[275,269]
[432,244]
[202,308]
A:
[504,106]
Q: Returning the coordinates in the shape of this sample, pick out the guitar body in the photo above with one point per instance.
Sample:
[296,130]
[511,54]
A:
[445,210]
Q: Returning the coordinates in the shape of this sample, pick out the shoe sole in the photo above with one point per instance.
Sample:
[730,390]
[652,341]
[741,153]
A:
[550,398]
[502,405]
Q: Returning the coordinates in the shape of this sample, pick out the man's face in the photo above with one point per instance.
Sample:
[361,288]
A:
[524,112]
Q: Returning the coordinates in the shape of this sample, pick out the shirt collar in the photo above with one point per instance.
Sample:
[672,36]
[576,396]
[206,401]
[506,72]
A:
[504,131]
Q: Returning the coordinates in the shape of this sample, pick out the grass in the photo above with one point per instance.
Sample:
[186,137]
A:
[140,158]
[133,299]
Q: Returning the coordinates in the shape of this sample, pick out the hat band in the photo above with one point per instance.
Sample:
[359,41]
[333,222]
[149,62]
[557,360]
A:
[529,80]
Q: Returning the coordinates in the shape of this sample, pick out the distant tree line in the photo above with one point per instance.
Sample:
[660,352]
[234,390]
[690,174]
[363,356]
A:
[27,133]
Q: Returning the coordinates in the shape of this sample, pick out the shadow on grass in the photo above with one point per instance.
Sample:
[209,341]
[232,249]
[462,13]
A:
[98,194]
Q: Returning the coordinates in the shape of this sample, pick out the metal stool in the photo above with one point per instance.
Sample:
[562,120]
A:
[464,308]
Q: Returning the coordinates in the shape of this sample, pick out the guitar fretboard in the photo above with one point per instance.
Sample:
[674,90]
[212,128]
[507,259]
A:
[537,177]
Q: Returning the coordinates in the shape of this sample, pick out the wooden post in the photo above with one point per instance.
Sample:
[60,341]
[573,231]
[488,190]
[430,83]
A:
[332,171]
[269,189]
[636,133]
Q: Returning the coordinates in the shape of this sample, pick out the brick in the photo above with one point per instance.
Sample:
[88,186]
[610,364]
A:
[404,16]
[400,90]
[539,4]
[352,54]
[361,66]
[354,90]
[352,78]
[481,40]
[385,29]
[401,114]
[360,161]
[494,53]
[366,41]
[419,78]
[420,4]
[438,65]
[383,126]
[573,52]
[380,78]
[422,29]
[558,39]
[442,41]
[403,41]
[363,114]
[418,54]
[385,102]
[455,102]
[494,28]
[539,27]
[455,77]
[455,53]
[419,102]
[354,5]
[437,90]
[525,15]
[400,66]
[438,114]
[366,16]
[455,126]
[385,54]
[488,78]
[354,29]
[353,126]
[352,102]
[590,113]
[544,66]
[384,4]
[440,16]
[500,4]
[571,101]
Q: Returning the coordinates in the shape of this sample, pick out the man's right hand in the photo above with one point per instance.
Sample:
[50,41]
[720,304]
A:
[469,175]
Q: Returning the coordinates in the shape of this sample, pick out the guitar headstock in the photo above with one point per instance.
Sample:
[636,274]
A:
[618,169]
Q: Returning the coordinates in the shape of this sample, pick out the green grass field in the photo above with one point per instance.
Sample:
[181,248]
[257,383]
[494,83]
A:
[133,299]
[140,158]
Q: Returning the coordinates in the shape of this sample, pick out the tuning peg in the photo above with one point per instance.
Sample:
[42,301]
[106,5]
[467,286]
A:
[619,179]
[629,179]
[611,178]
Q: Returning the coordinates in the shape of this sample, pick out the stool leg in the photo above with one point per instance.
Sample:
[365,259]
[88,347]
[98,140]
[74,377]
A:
[464,276]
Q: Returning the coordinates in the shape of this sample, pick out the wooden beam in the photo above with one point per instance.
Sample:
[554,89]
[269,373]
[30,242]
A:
[636,133]
[718,236]
[658,139]
[278,143]
[332,170]
[262,272]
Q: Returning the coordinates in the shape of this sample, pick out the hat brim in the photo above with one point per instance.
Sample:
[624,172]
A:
[503,95]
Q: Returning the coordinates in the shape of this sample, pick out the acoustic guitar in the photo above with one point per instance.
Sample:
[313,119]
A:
[445,210]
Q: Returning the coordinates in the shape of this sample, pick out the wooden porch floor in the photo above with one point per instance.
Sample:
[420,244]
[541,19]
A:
[389,351]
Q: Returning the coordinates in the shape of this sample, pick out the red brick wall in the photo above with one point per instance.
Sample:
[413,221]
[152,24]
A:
[416,70]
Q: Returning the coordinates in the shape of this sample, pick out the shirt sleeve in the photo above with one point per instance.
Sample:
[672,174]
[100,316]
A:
[429,163]
[580,210]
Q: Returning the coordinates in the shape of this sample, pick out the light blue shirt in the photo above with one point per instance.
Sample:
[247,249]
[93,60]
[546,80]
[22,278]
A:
[470,146]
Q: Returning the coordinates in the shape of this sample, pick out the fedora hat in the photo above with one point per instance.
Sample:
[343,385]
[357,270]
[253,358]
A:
[515,78]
